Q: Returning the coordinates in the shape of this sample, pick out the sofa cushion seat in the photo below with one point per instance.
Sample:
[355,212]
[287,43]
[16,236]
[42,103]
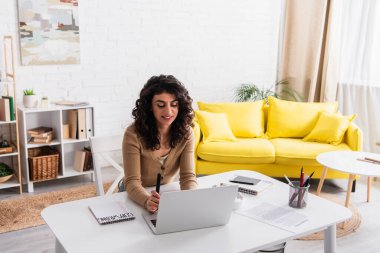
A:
[243,150]
[291,151]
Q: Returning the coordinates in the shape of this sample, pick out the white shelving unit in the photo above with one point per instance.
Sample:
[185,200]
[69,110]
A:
[9,129]
[55,117]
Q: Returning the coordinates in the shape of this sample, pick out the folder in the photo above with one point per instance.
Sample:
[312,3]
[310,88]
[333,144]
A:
[81,123]
[4,110]
[72,119]
[89,128]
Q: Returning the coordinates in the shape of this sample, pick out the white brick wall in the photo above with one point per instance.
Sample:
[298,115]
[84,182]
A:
[210,45]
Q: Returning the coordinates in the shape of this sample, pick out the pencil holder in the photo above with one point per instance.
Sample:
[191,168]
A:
[298,195]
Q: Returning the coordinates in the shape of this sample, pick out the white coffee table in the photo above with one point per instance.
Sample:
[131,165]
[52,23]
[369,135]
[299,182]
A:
[347,161]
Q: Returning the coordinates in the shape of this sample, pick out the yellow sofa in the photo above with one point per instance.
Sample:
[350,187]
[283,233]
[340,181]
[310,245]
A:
[270,139]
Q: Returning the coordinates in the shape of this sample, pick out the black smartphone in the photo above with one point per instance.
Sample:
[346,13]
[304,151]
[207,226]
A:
[245,180]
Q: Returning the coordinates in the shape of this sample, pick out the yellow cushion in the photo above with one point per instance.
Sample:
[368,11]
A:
[245,119]
[294,119]
[243,150]
[330,128]
[292,151]
[214,126]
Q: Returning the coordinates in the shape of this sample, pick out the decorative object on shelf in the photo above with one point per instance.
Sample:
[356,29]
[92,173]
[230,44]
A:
[44,102]
[29,99]
[252,92]
[4,146]
[49,32]
[71,103]
[6,172]
[43,163]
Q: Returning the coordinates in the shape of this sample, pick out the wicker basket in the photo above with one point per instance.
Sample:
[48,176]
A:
[43,163]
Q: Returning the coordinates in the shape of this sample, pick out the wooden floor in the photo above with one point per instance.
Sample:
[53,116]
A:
[41,239]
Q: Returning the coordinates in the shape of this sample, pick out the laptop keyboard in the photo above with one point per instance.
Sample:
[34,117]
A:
[153,222]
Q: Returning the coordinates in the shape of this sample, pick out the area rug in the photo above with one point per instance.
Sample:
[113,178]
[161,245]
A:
[350,225]
[24,212]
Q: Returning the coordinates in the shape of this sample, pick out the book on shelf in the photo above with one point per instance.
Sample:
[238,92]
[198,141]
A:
[45,139]
[252,189]
[107,212]
[40,130]
[83,160]
[71,103]
[42,134]
[88,162]
[11,107]
[4,110]
[79,159]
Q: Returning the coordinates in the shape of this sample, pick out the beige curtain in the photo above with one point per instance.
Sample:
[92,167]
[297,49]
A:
[310,49]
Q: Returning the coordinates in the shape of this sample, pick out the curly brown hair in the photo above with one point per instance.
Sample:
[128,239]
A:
[145,122]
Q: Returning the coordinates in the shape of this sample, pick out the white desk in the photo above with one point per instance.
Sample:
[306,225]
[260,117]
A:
[347,161]
[76,230]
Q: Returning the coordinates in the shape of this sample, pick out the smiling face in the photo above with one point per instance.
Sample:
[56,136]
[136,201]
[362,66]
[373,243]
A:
[165,109]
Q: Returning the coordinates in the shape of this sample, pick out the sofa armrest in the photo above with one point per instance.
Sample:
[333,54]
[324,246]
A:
[354,137]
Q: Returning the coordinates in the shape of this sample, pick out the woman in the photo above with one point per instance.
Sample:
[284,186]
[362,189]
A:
[160,140]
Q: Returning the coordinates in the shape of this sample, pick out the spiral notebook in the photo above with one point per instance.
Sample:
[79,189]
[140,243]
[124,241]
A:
[107,212]
[252,189]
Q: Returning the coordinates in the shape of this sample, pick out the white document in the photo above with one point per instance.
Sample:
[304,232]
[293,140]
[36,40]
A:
[281,217]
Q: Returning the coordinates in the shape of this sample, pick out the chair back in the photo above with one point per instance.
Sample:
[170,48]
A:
[103,147]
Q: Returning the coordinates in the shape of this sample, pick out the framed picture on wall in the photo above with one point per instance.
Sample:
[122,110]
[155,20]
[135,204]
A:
[49,32]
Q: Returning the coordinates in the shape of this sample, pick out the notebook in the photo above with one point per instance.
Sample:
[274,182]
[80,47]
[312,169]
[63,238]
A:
[251,189]
[106,212]
[192,209]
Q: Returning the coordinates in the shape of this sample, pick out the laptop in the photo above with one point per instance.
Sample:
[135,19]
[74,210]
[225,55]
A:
[192,209]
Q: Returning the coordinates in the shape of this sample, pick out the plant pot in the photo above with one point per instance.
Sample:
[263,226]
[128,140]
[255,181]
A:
[5,178]
[30,101]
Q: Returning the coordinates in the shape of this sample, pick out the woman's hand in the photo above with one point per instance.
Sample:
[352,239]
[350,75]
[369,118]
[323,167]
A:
[153,201]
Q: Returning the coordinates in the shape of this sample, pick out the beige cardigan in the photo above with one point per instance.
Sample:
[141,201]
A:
[141,167]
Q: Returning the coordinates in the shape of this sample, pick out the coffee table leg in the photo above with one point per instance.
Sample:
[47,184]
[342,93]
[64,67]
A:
[349,188]
[322,180]
[368,189]
[330,239]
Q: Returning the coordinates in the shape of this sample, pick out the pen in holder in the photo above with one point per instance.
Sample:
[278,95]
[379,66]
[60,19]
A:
[298,195]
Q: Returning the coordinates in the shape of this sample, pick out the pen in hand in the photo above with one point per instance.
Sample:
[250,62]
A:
[158,182]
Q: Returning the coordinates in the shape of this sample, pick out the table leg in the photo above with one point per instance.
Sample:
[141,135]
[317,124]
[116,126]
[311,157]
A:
[330,239]
[322,180]
[58,247]
[368,189]
[349,188]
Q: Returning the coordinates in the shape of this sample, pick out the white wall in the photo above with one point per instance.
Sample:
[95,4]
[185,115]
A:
[210,45]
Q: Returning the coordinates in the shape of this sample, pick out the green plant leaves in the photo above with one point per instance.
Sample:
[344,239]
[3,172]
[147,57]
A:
[252,92]
[5,170]
[28,92]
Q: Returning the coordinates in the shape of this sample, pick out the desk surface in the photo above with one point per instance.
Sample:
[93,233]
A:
[77,230]
[347,161]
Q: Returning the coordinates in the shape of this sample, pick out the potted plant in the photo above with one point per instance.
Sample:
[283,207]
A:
[29,99]
[6,172]
[252,92]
